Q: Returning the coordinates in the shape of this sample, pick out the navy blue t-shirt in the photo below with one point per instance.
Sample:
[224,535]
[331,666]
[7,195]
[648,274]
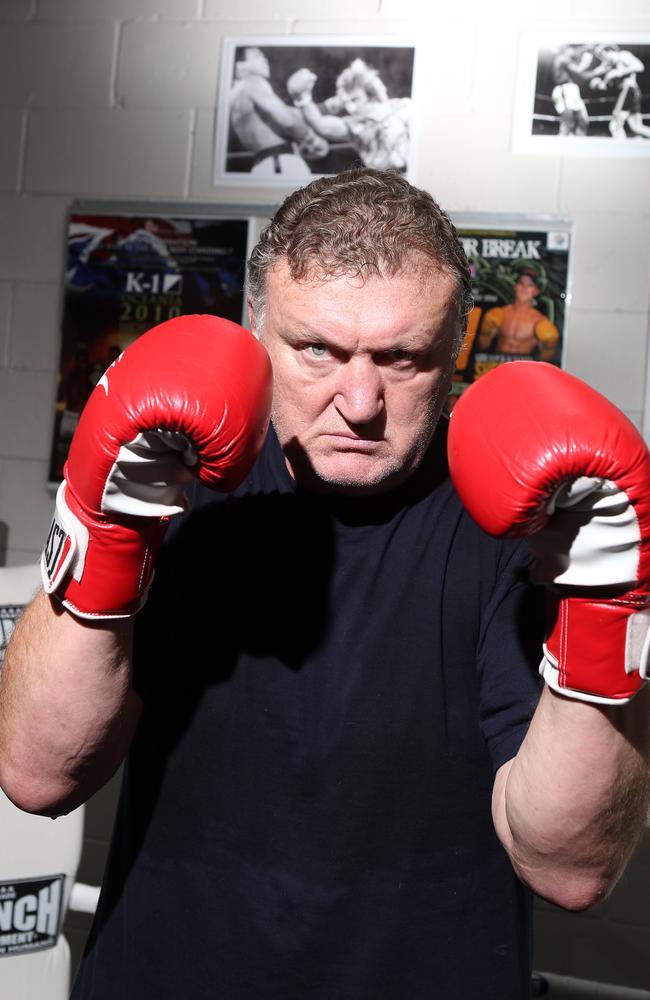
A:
[329,686]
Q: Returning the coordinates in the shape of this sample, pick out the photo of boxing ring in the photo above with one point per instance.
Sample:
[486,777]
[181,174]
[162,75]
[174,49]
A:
[586,95]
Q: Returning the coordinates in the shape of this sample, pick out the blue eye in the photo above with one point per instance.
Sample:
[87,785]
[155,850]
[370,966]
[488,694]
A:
[317,350]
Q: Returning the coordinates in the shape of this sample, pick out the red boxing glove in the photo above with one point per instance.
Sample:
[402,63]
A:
[536,453]
[189,397]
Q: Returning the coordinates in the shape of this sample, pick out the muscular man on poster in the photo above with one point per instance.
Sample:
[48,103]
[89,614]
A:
[277,136]
[520,328]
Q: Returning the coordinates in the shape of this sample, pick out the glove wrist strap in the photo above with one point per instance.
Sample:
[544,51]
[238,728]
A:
[598,650]
[98,568]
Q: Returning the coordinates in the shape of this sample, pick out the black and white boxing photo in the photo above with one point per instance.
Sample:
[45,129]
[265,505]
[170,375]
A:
[290,110]
[584,94]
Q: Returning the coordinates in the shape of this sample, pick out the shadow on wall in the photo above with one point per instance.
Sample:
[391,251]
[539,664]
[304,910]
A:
[4,535]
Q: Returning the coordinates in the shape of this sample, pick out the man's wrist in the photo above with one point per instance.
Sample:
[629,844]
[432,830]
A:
[303,100]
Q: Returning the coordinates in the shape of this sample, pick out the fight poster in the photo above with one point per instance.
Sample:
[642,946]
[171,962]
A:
[520,285]
[127,272]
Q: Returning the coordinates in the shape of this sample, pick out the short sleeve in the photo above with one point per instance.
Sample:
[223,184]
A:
[509,653]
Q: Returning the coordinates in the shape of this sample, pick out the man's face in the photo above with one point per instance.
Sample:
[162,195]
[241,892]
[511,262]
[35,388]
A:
[355,99]
[361,372]
[526,288]
[256,62]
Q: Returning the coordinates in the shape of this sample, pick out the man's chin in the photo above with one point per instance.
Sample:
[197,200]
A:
[349,472]
[356,475]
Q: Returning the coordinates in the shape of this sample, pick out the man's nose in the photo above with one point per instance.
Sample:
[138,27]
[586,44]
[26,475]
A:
[360,391]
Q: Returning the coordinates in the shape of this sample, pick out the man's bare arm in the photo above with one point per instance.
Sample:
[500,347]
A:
[331,127]
[67,708]
[571,473]
[300,86]
[282,118]
[570,807]
[155,419]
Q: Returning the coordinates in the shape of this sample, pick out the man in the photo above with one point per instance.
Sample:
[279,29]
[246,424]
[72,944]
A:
[520,328]
[566,96]
[271,130]
[361,113]
[618,71]
[333,786]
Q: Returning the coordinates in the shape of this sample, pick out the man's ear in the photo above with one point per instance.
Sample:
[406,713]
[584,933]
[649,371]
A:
[252,318]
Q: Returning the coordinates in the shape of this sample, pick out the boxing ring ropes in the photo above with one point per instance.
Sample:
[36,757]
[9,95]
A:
[588,101]
[246,157]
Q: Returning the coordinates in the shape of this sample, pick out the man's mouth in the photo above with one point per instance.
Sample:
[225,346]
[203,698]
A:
[353,442]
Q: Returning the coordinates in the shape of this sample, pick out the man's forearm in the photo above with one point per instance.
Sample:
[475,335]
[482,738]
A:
[571,805]
[328,126]
[67,709]
[536,453]
[284,119]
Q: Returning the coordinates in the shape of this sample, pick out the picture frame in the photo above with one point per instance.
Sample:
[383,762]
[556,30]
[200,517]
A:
[583,94]
[289,109]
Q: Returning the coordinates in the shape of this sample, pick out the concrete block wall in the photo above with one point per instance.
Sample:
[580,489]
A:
[115,99]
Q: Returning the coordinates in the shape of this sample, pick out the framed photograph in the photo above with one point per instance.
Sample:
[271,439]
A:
[583,94]
[521,286]
[129,269]
[291,109]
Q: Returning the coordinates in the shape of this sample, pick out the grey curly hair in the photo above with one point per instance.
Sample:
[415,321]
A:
[361,222]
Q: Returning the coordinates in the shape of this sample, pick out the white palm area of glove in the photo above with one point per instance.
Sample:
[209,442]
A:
[149,476]
[592,537]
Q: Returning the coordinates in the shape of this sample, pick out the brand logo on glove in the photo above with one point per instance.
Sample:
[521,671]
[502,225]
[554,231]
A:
[53,547]
[104,379]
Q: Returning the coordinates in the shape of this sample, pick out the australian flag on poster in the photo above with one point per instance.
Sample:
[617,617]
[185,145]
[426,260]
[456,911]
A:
[126,273]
